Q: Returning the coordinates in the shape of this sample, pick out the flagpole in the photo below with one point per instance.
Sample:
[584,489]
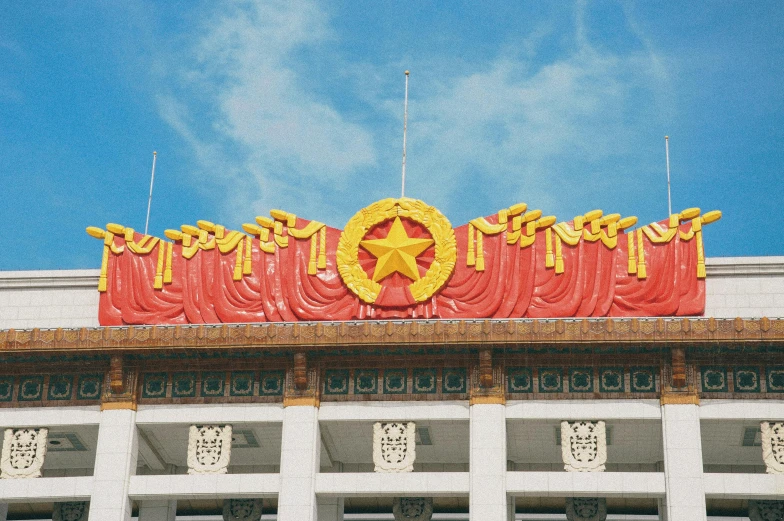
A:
[667,153]
[149,200]
[405,125]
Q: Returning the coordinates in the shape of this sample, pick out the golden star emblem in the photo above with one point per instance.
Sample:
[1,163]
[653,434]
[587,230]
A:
[397,252]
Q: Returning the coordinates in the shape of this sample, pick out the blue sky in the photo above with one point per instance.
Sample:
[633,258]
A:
[298,105]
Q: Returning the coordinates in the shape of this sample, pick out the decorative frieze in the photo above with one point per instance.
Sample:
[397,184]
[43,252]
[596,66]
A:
[766,510]
[773,446]
[70,511]
[412,508]
[394,446]
[23,453]
[209,449]
[696,331]
[583,446]
[242,509]
[586,509]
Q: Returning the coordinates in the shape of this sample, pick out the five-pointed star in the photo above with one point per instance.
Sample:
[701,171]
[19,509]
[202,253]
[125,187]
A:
[397,252]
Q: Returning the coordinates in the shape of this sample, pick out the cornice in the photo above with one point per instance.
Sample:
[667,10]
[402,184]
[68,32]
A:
[354,334]
[49,279]
[744,267]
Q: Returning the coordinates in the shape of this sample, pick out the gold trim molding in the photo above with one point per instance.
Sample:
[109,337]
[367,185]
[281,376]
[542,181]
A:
[680,399]
[111,406]
[290,401]
[329,335]
[492,399]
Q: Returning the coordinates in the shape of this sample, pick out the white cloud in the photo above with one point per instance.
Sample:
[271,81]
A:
[522,131]
[515,129]
[262,129]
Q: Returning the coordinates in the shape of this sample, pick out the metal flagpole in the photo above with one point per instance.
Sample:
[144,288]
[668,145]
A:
[149,201]
[667,152]
[405,124]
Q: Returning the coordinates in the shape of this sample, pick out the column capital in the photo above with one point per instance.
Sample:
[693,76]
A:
[292,401]
[110,406]
[680,399]
[487,400]
[302,385]
[487,381]
[120,393]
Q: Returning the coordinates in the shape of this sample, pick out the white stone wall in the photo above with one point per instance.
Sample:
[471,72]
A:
[749,287]
[48,299]
[310,493]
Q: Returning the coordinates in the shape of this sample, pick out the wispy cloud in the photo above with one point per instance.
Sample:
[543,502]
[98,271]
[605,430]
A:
[525,130]
[265,130]
[517,128]
[13,51]
[11,47]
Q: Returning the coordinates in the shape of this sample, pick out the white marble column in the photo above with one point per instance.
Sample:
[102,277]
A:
[158,510]
[299,463]
[115,462]
[330,509]
[685,495]
[487,501]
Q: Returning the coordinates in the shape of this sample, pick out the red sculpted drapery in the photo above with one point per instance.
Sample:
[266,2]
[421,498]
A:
[561,270]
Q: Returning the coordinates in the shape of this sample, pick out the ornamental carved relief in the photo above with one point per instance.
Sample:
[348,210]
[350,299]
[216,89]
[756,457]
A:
[396,210]
[70,511]
[242,509]
[23,453]
[586,509]
[412,508]
[766,510]
[583,446]
[209,449]
[394,446]
[773,446]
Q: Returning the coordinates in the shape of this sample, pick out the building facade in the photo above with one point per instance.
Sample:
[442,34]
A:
[491,419]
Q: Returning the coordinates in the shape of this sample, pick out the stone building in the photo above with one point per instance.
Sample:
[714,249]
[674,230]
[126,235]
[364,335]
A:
[120,400]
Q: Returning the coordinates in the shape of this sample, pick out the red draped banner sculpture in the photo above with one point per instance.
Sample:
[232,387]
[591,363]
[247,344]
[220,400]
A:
[400,258]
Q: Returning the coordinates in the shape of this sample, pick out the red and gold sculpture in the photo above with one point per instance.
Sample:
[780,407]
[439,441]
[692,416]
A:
[401,258]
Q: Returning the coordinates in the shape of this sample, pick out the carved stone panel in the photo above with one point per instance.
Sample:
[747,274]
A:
[773,446]
[241,509]
[23,453]
[766,510]
[586,509]
[209,449]
[412,508]
[583,446]
[394,446]
[70,511]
